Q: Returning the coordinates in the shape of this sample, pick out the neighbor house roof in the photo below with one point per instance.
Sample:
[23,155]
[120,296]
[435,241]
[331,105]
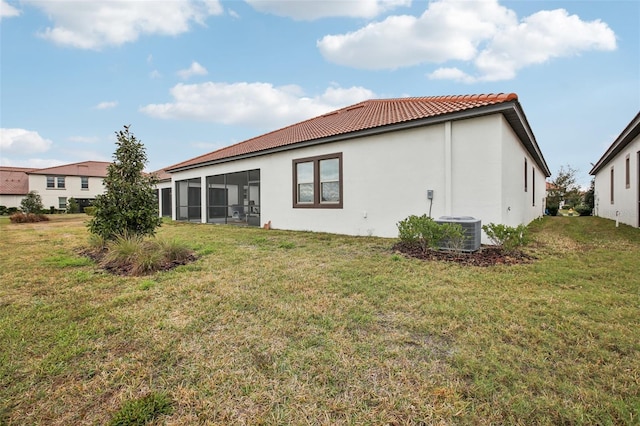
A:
[14,180]
[162,175]
[377,116]
[628,134]
[85,168]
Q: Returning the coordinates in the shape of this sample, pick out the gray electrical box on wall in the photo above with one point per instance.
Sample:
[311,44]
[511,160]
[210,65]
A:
[429,194]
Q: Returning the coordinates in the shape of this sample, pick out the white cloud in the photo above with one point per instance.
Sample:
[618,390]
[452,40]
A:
[194,69]
[260,105]
[308,10]
[89,24]
[106,105]
[21,141]
[7,11]
[483,34]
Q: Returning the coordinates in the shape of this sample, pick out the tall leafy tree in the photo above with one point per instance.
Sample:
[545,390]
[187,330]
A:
[564,188]
[32,203]
[129,204]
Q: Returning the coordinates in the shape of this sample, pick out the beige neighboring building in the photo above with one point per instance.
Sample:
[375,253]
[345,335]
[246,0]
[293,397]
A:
[14,185]
[81,181]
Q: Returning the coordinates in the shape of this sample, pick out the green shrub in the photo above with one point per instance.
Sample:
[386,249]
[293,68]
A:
[508,237]
[27,218]
[90,211]
[72,206]
[583,210]
[142,411]
[32,203]
[429,234]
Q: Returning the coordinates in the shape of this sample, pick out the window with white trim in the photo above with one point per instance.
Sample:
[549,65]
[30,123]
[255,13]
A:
[317,182]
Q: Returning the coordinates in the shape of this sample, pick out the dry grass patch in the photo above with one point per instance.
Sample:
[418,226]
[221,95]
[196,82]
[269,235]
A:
[274,327]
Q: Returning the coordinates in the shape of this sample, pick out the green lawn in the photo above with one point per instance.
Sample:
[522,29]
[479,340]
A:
[275,327]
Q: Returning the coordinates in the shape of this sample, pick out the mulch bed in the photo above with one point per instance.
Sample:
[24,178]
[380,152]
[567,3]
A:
[486,256]
[127,269]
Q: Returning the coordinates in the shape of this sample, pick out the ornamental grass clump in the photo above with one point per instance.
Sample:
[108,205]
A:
[132,254]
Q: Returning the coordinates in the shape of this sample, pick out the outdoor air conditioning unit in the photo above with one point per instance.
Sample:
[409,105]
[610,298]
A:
[471,227]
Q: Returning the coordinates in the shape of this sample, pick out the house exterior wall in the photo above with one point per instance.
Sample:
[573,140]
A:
[521,203]
[466,163]
[626,203]
[11,200]
[50,196]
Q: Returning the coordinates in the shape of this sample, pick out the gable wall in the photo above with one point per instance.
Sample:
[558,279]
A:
[625,199]
[518,205]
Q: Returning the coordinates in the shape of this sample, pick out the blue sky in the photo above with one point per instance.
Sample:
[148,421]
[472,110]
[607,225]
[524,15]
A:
[192,76]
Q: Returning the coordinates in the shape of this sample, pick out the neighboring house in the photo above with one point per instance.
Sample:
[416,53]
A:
[14,185]
[163,192]
[617,177]
[361,169]
[81,181]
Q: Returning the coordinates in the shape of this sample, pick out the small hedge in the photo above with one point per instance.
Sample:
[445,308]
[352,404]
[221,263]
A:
[508,237]
[27,218]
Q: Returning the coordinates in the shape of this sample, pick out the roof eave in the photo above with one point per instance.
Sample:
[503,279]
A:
[511,110]
[628,134]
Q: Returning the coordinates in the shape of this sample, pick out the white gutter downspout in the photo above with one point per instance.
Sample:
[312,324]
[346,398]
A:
[448,184]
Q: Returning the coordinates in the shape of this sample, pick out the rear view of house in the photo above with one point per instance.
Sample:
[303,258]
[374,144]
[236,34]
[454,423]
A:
[361,169]
[617,177]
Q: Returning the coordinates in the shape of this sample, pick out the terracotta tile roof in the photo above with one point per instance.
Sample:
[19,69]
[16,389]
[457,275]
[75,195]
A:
[14,180]
[85,168]
[362,116]
[161,174]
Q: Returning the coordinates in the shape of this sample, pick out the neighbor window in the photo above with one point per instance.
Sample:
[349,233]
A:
[84,182]
[533,185]
[55,182]
[611,185]
[62,203]
[627,172]
[317,181]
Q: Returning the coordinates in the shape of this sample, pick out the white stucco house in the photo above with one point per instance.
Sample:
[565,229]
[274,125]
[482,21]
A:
[163,192]
[361,169]
[617,177]
[81,181]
